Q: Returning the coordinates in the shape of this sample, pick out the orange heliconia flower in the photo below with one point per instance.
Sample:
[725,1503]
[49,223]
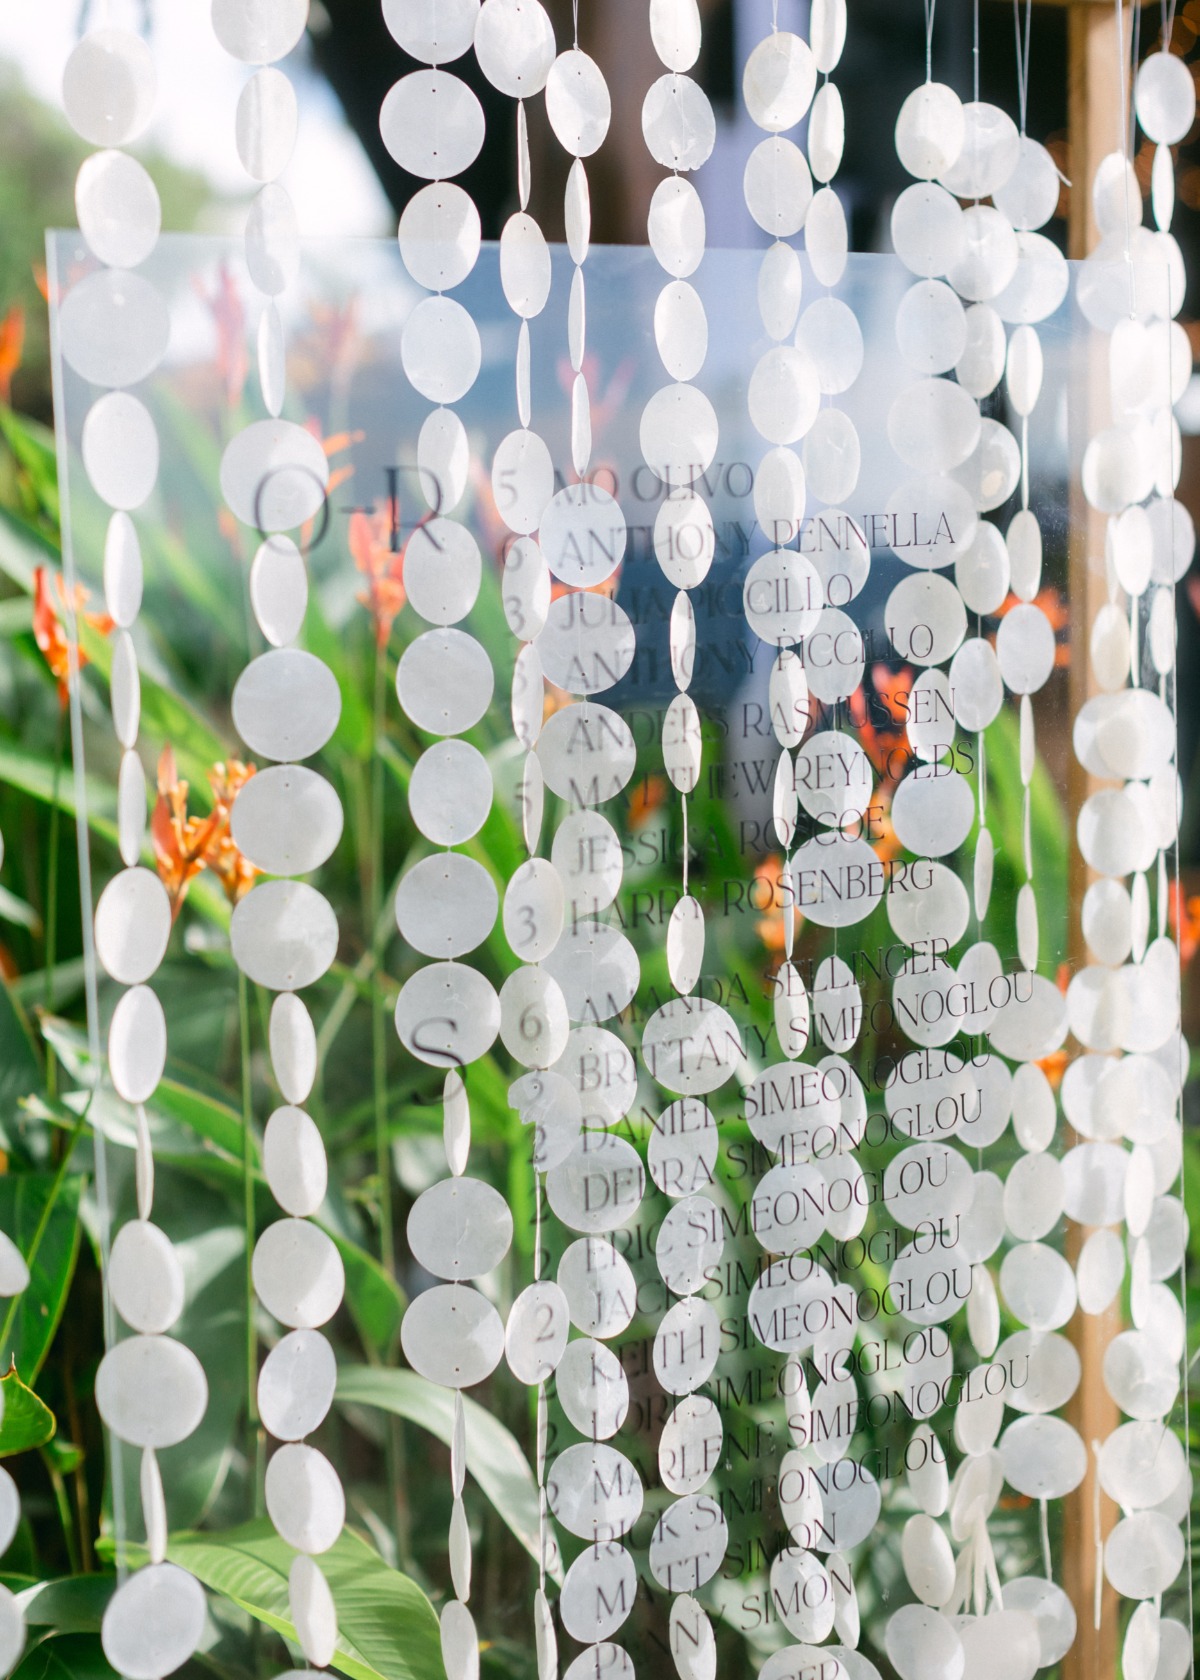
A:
[880,741]
[776,892]
[333,445]
[235,872]
[647,796]
[884,840]
[48,628]
[180,841]
[229,317]
[185,844]
[12,343]
[1183,918]
[1054,608]
[371,548]
[1054,1066]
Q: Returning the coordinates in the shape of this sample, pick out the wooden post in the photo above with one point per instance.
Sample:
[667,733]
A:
[1094,127]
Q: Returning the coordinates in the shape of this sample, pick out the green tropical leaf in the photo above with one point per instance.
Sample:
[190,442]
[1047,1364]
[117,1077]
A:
[27,1422]
[39,1209]
[387,1628]
[375,1300]
[71,1656]
[20,1070]
[494,1456]
[34,775]
[74,1604]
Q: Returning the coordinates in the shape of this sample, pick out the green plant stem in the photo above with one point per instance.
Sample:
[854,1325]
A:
[63,1506]
[374,911]
[51,919]
[394,1452]
[254,1428]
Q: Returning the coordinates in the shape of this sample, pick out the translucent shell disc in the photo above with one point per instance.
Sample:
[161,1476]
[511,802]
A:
[514,43]
[109,86]
[578,103]
[284,935]
[433,31]
[296,1384]
[439,237]
[287,820]
[678,123]
[153,1622]
[151,1391]
[298,1274]
[779,81]
[432,124]
[452,1336]
[447,1015]
[272,240]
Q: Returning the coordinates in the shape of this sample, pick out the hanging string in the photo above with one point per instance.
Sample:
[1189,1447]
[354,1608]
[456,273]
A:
[1123,107]
[930,9]
[1023,56]
[1134,59]
[975,53]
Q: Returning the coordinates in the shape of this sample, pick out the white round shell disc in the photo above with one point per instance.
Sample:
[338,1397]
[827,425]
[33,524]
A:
[154,1622]
[583,535]
[151,1391]
[298,1274]
[439,236]
[286,820]
[109,86]
[598,1188]
[432,124]
[447,1015]
[459,1229]
[445,681]
[296,1384]
[274,475]
[595,1492]
[678,123]
[137,1045]
[587,753]
[284,935]
[452,1336]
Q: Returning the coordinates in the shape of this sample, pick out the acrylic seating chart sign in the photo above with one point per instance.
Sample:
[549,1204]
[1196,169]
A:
[791,1279]
[754,1116]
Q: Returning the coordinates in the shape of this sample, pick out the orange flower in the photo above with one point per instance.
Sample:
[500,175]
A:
[1183,915]
[776,892]
[229,316]
[884,840]
[12,343]
[235,873]
[48,629]
[646,798]
[609,587]
[885,746]
[332,445]
[606,406]
[1054,608]
[326,351]
[180,841]
[372,549]
[184,844]
[556,700]
[1054,1066]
